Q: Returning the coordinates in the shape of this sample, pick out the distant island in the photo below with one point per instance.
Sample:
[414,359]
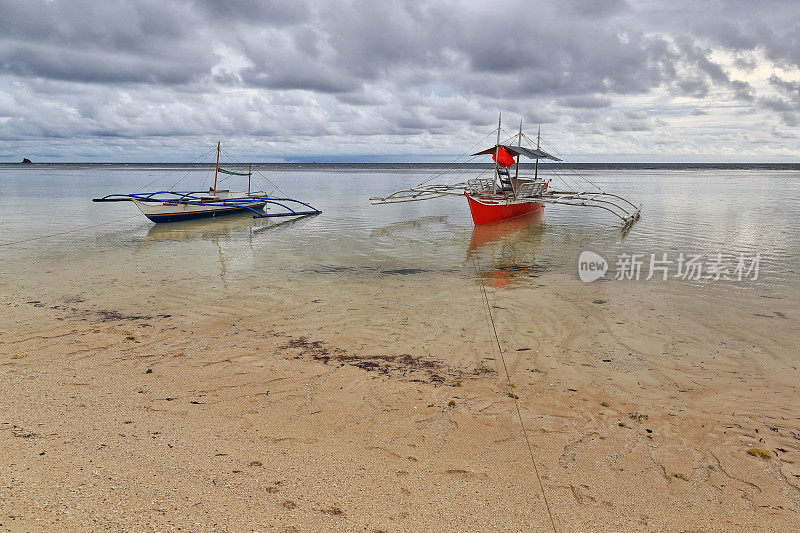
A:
[25,160]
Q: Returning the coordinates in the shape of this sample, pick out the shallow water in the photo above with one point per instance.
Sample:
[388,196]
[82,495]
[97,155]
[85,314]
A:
[53,239]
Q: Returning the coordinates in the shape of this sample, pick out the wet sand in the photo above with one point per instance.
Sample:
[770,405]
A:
[382,405]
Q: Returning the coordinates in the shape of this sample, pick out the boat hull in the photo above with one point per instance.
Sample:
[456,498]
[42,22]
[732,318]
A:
[166,212]
[488,210]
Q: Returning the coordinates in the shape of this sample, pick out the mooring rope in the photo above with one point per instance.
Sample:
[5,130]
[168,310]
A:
[67,231]
[513,396]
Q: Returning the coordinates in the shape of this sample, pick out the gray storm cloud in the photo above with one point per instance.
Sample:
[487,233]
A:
[157,80]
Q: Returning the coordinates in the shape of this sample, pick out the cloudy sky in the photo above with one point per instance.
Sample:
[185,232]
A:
[377,80]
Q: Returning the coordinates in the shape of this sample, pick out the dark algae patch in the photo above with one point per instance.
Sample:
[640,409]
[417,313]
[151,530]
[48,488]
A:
[407,366]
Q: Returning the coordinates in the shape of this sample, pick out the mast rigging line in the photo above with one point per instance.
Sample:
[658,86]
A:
[571,183]
[456,160]
[262,176]
[481,173]
[547,166]
[162,176]
[513,396]
[190,170]
[572,170]
[568,184]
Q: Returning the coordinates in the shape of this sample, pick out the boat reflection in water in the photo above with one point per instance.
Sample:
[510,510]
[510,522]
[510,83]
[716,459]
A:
[238,226]
[235,238]
[504,253]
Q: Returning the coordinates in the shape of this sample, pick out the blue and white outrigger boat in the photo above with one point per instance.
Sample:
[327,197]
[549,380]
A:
[172,206]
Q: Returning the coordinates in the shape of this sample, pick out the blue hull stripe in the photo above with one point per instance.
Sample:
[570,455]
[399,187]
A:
[175,217]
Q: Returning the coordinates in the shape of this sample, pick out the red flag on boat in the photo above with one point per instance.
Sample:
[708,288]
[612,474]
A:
[503,158]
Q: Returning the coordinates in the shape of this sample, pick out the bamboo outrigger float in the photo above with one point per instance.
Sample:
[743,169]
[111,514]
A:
[173,206]
[502,197]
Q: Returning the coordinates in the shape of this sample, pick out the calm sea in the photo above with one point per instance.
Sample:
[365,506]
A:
[54,239]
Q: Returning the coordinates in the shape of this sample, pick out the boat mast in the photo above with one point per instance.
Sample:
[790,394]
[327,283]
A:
[249,175]
[538,138]
[496,153]
[216,168]
[519,143]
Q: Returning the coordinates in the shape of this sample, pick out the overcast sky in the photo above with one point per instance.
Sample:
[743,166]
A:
[307,80]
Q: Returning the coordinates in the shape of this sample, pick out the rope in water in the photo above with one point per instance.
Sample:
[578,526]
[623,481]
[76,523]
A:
[513,396]
[67,231]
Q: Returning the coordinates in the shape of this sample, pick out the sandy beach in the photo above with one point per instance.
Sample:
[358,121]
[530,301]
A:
[375,407]
[399,266]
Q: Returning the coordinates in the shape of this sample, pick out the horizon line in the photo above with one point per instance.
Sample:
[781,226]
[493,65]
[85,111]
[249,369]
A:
[306,162]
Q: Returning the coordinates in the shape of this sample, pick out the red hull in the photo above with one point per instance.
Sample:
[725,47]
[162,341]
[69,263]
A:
[486,214]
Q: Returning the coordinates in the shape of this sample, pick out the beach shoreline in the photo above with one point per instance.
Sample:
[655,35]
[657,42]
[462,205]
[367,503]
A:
[347,411]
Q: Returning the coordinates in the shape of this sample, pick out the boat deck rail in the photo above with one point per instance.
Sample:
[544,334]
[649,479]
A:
[480,186]
[530,188]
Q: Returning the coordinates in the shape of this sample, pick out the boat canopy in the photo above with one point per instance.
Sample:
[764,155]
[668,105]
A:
[517,150]
[232,173]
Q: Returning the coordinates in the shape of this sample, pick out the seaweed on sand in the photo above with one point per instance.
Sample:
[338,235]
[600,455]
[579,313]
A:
[407,365]
[760,453]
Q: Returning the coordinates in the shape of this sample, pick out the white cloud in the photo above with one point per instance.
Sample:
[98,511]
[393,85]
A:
[157,79]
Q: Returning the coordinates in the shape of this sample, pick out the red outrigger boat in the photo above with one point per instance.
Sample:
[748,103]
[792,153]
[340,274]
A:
[487,210]
[502,196]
